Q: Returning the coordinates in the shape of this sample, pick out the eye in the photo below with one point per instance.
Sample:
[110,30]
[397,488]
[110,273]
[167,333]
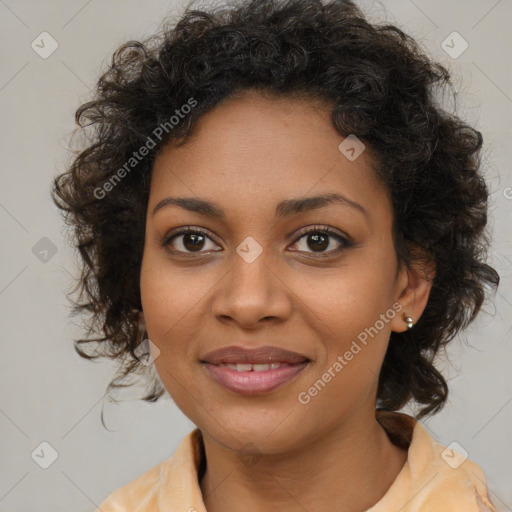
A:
[192,240]
[319,239]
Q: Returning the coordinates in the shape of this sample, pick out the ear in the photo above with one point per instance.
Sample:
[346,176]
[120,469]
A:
[412,291]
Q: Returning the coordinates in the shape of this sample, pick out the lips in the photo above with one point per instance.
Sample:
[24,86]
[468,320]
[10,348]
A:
[262,355]
[251,382]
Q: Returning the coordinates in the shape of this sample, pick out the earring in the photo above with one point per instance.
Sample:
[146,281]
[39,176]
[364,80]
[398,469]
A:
[408,321]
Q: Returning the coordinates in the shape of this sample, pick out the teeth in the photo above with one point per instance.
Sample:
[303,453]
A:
[247,367]
[260,367]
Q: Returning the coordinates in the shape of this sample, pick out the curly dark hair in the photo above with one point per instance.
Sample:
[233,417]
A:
[381,87]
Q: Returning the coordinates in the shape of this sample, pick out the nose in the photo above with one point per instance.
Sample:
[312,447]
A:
[252,293]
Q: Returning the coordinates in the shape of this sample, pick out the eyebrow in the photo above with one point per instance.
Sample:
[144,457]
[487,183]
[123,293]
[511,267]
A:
[284,209]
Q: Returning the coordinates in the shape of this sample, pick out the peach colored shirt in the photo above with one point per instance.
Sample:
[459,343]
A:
[433,479]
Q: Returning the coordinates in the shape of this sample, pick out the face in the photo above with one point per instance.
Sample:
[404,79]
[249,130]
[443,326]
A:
[254,271]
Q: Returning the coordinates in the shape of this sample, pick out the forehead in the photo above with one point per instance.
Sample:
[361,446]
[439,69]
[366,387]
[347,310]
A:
[259,150]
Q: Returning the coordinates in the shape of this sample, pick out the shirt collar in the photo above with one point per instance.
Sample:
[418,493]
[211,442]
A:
[425,478]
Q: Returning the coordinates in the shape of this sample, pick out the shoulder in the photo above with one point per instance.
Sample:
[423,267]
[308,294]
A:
[455,481]
[139,495]
[435,477]
[170,485]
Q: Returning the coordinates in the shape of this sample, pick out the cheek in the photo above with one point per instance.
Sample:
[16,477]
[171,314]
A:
[347,306]
[168,296]
[168,309]
[168,304]
[351,298]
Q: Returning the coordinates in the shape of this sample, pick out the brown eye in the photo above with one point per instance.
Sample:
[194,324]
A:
[189,240]
[320,240]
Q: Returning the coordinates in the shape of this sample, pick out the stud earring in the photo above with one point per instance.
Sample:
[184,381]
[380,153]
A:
[408,321]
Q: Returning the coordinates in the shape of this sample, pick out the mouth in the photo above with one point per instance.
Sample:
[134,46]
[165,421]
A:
[254,371]
[254,367]
[267,355]
[248,381]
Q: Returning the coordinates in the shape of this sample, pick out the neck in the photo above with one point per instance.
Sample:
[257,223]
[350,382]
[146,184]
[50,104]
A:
[348,468]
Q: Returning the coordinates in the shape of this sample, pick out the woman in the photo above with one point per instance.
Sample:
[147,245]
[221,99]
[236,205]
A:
[276,204]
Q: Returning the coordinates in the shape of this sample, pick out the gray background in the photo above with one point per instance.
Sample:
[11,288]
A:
[48,393]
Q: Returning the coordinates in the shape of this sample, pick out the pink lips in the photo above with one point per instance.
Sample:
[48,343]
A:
[253,382]
[258,355]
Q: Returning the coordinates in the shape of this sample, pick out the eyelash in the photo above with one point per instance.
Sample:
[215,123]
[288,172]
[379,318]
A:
[345,242]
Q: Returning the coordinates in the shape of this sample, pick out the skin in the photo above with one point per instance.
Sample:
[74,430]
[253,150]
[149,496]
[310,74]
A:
[248,154]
